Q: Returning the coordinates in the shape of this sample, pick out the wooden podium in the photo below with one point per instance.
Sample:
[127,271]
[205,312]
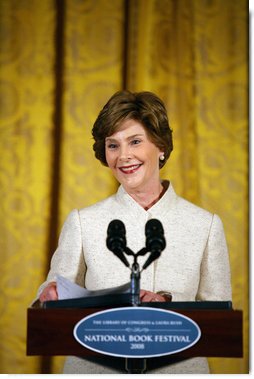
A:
[50,332]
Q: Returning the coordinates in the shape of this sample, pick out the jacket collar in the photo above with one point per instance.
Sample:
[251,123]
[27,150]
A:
[163,205]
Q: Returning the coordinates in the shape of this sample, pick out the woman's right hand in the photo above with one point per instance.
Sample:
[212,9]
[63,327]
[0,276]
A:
[49,293]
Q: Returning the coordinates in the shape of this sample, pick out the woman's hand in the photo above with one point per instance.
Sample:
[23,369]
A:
[148,296]
[49,293]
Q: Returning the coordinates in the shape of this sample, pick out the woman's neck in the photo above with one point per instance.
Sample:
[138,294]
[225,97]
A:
[146,199]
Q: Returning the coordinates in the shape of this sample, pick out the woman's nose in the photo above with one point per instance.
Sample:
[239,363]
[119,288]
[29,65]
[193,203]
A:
[125,153]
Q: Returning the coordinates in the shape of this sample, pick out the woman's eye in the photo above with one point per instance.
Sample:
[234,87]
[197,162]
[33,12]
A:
[112,146]
[135,142]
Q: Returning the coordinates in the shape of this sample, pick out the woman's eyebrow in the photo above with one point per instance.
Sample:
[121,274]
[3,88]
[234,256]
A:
[128,138]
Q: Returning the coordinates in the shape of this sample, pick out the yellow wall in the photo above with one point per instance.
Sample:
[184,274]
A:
[193,54]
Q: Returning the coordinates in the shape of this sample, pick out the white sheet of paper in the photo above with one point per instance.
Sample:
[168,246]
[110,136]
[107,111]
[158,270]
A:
[69,290]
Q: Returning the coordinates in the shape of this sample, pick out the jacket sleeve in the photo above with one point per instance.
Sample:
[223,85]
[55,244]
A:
[215,277]
[68,259]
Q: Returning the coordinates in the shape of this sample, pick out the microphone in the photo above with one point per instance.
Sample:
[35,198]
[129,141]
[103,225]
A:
[116,241]
[155,240]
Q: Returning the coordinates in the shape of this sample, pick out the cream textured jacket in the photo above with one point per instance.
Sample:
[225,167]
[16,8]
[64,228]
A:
[193,266]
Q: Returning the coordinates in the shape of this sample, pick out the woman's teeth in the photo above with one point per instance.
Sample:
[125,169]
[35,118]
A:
[130,168]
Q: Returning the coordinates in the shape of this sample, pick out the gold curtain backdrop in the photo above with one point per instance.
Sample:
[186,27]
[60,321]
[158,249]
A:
[60,61]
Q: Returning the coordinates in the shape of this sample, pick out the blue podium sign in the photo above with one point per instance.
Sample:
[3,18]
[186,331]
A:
[137,332]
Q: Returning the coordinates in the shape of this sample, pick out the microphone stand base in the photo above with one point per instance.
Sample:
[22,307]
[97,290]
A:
[135,365]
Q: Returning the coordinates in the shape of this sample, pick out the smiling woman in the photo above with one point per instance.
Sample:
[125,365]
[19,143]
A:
[133,138]
[136,143]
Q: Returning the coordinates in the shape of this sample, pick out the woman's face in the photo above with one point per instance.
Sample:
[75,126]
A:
[132,157]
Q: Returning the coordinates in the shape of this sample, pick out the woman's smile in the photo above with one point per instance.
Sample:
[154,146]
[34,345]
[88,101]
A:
[131,169]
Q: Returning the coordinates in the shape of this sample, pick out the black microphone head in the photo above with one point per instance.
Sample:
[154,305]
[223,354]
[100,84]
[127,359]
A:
[116,235]
[153,226]
[116,227]
[116,240]
[155,240]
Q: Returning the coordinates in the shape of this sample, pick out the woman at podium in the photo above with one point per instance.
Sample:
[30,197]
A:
[133,138]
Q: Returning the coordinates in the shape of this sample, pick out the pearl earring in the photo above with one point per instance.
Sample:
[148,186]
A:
[162,157]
